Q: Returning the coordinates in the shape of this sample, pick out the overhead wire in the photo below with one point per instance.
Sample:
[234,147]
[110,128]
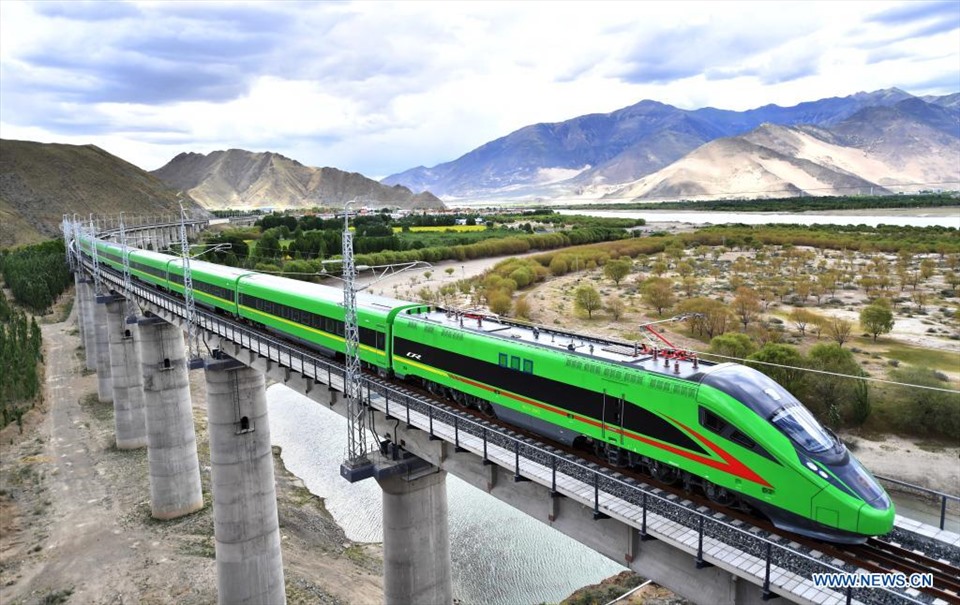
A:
[825,372]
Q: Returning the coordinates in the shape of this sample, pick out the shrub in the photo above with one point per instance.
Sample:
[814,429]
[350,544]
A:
[924,411]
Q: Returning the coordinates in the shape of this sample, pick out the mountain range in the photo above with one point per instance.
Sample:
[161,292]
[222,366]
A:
[650,150]
[243,179]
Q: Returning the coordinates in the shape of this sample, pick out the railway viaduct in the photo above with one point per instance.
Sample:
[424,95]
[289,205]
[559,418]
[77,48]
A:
[142,367]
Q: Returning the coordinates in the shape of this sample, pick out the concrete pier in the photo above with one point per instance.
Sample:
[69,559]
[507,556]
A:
[171,438]
[78,302]
[89,324]
[246,526]
[127,374]
[416,543]
[104,379]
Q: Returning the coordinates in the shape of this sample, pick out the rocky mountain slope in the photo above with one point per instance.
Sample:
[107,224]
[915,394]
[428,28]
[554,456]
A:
[243,179]
[911,145]
[601,152]
[40,182]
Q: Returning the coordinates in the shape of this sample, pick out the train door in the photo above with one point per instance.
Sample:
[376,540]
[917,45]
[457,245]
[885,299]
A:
[612,418]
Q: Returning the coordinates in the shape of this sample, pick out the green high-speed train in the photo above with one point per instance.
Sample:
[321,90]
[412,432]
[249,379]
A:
[725,429]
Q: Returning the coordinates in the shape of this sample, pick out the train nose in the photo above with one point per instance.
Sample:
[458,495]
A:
[876,521]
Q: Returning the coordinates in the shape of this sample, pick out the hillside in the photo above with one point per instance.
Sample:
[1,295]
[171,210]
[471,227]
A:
[911,145]
[599,153]
[40,182]
[243,179]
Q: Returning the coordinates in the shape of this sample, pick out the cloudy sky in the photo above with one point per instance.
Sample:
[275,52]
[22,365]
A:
[378,87]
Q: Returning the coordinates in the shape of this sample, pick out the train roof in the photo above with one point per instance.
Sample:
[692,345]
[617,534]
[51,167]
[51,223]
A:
[150,254]
[669,362]
[321,292]
[213,268]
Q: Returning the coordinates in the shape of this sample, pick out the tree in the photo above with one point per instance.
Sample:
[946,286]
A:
[500,302]
[616,307]
[587,299]
[877,318]
[616,270]
[953,279]
[746,304]
[559,265]
[800,318]
[735,345]
[838,329]
[708,317]
[837,392]
[786,365]
[521,308]
[923,410]
[658,293]
[690,285]
[268,246]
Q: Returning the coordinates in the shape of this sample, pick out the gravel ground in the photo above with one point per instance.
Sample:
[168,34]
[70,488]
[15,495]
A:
[75,523]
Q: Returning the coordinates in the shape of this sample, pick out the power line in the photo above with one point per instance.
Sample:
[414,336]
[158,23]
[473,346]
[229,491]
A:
[838,374]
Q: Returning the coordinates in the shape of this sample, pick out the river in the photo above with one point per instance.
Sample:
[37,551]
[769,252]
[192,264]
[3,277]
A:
[499,556]
[907,217]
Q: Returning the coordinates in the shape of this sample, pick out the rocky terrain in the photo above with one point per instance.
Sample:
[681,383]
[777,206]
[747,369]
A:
[602,154]
[40,182]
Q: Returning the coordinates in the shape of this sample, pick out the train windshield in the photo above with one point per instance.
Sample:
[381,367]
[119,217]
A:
[753,389]
[798,424]
[864,484]
[769,400]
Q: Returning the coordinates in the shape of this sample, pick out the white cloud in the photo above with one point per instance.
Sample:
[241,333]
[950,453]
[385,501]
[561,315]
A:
[381,87]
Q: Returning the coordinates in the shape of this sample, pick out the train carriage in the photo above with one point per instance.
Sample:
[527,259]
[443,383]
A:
[214,286]
[150,267]
[726,428]
[313,314]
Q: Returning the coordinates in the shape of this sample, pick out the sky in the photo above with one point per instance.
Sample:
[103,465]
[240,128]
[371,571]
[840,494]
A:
[381,87]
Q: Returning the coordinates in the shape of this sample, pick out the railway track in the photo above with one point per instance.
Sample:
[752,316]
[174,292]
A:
[881,556]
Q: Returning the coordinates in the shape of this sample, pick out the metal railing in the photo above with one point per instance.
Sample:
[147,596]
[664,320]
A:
[926,492]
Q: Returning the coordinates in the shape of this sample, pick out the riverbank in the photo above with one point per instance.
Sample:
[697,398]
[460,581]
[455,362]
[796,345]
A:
[75,524]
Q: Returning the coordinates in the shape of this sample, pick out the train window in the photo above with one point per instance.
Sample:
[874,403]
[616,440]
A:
[796,422]
[711,421]
[528,366]
[738,437]
[504,360]
[514,362]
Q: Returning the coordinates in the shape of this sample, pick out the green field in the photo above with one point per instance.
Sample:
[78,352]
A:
[443,229]
[924,358]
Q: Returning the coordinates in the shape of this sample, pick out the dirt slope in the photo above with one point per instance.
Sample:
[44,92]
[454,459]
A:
[75,523]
